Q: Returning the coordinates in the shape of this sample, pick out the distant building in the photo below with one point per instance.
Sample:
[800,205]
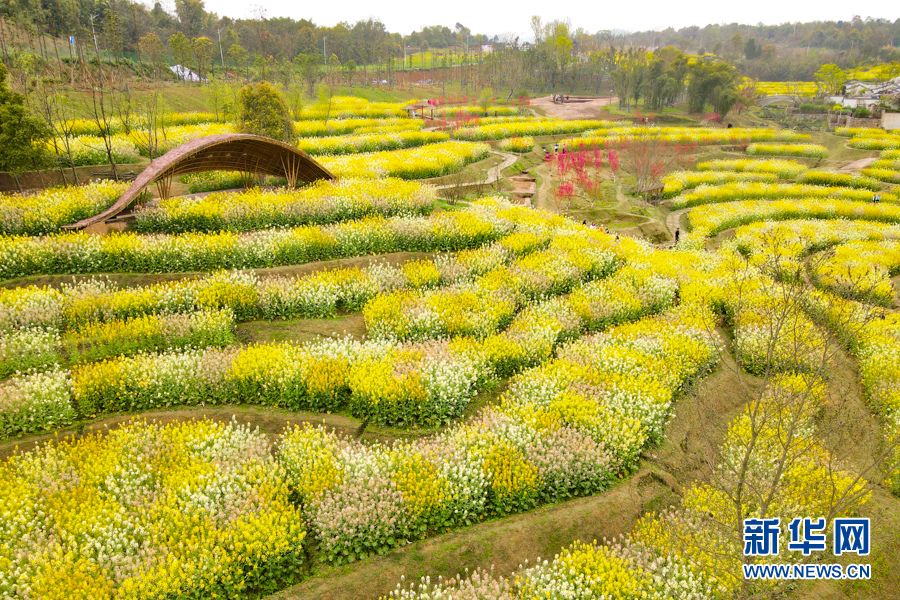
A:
[854,87]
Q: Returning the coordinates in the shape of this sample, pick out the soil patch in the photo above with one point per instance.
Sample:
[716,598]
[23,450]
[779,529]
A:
[574,110]
[302,330]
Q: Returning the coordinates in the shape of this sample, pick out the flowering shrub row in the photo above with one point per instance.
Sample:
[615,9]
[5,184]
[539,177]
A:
[875,143]
[498,131]
[886,168]
[32,349]
[319,294]
[710,194]
[713,218]
[861,270]
[850,180]
[369,142]
[322,128]
[559,432]
[704,136]
[213,181]
[427,383]
[786,169]
[488,303]
[194,509]
[432,160]
[348,107]
[466,111]
[86,150]
[320,203]
[783,244]
[172,137]
[83,253]
[47,211]
[809,150]
[679,181]
[695,551]
[115,125]
[517,144]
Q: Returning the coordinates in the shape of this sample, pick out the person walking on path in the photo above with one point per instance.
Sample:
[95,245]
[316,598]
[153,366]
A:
[677,236]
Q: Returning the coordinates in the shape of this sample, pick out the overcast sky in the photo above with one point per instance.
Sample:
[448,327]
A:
[500,17]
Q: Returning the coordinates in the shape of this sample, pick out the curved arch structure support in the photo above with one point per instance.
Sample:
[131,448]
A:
[225,152]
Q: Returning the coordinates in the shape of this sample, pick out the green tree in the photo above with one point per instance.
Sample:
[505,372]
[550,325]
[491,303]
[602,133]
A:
[832,78]
[751,49]
[154,50]
[712,83]
[487,96]
[238,57]
[263,111]
[350,68]
[306,40]
[191,15]
[22,135]
[181,49]
[202,48]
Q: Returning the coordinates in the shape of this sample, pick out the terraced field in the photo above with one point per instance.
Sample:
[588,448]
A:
[333,391]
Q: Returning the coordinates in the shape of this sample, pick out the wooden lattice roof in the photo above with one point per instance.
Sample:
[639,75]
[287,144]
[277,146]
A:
[226,152]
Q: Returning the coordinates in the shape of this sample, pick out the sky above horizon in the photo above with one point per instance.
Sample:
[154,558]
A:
[504,17]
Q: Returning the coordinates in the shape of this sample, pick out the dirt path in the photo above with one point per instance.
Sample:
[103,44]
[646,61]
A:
[573,110]
[494,173]
[673,220]
[856,165]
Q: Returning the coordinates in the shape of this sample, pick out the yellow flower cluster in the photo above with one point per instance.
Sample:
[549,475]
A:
[517,144]
[861,270]
[322,128]
[432,160]
[145,511]
[320,203]
[369,142]
[347,107]
[679,181]
[47,211]
[805,89]
[92,150]
[786,169]
[713,218]
[710,194]
[809,150]
[703,136]
[83,253]
[780,245]
[886,168]
[508,129]
[850,180]
[78,127]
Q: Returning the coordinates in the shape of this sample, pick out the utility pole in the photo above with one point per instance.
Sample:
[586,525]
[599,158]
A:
[221,54]
[324,54]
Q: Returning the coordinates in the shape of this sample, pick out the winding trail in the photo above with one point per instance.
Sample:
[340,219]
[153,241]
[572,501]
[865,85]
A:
[673,220]
[856,165]
[494,173]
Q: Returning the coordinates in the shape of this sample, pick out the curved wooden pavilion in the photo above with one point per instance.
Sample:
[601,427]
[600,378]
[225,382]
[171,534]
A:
[252,154]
